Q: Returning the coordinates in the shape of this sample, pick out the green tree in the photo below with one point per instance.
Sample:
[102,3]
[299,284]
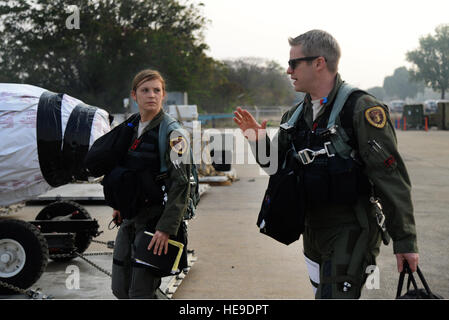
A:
[116,39]
[211,89]
[431,60]
[258,82]
[400,86]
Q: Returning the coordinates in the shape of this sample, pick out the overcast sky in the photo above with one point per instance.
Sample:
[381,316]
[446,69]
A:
[374,36]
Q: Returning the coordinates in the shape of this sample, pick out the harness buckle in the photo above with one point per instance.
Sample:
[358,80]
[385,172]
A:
[380,217]
[329,132]
[326,147]
[287,128]
[333,129]
[306,156]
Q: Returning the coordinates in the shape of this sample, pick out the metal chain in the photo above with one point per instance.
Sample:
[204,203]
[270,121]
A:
[109,244]
[13,288]
[83,256]
[35,294]
[98,241]
[61,255]
[98,254]
[86,254]
[93,264]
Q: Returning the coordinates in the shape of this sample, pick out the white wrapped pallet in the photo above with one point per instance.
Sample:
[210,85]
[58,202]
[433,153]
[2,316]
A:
[44,137]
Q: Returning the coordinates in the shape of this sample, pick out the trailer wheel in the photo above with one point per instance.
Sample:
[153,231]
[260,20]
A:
[23,254]
[67,210]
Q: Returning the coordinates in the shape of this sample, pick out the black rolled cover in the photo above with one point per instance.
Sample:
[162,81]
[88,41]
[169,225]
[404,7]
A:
[49,139]
[60,158]
[76,140]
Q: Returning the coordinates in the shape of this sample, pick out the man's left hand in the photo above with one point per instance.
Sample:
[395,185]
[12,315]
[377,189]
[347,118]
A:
[160,242]
[411,258]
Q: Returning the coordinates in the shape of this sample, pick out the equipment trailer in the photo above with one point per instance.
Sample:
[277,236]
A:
[61,230]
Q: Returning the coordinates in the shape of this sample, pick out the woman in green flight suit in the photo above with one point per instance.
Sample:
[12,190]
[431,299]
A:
[129,279]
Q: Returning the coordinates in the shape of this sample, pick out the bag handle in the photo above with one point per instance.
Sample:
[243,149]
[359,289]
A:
[411,280]
[400,284]
[424,282]
[405,270]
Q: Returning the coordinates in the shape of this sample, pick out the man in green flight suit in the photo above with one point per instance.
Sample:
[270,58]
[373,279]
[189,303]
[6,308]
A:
[343,228]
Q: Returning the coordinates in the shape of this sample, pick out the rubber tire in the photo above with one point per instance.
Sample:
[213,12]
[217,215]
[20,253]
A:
[36,252]
[63,208]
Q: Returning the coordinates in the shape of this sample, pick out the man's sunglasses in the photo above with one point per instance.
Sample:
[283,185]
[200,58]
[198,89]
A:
[293,62]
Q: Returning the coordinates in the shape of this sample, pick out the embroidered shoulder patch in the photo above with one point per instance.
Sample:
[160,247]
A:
[178,145]
[376,117]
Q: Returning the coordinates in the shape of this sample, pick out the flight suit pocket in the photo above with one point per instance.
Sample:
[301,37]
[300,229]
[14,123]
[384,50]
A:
[377,157]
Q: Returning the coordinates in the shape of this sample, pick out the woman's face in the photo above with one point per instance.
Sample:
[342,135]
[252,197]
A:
[149,96]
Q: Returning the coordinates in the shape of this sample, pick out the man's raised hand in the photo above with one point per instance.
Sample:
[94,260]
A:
[251,129]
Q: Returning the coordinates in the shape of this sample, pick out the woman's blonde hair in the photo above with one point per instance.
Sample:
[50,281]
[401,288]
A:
[147,75]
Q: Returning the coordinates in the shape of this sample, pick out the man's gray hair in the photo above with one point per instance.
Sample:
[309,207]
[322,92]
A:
[319,43]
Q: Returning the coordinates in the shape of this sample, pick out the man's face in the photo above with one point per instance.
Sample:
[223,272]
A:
[149,96]
[303,73]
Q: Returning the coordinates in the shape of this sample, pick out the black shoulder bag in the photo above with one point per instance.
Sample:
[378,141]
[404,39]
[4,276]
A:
[415,293]
[281,216]
[109,149]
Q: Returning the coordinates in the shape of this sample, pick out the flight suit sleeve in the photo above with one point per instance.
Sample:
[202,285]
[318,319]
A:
[384,166]
[178,161]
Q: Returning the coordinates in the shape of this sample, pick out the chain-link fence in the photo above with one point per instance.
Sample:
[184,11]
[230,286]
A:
[272,114]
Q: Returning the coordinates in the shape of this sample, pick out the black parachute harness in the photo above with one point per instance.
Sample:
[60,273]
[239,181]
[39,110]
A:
[336,142]
[336,134]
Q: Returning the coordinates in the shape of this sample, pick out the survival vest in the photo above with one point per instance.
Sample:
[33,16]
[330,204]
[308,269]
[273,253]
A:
[328,164]
[140,178]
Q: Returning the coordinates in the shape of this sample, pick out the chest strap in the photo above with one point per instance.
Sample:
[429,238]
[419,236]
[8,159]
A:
[338,137]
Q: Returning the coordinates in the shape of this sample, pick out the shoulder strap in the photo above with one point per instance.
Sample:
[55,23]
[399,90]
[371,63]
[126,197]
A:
[342,96]
[168,124]
[291,122]
[340,140]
